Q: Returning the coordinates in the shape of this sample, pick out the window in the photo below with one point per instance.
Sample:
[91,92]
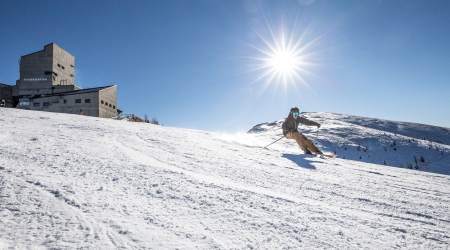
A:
[87,100]
[36,104]
[46,104]
[114,107]
[65,101]
[103,102]
[110,105]
[50,73]
[62,67]
[59,65]
[77,100]
[106,103]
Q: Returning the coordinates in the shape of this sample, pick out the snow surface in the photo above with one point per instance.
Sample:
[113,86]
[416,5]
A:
[76,182]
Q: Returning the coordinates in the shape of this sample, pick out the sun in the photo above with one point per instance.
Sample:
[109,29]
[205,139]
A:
[283,63]
[285,58]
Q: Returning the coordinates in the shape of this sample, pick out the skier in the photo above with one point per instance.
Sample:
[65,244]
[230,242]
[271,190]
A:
[290,131]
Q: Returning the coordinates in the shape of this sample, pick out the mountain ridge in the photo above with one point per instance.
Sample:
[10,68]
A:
[403,143]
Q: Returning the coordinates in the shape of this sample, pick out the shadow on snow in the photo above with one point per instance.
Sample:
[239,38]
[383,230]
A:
[303,161]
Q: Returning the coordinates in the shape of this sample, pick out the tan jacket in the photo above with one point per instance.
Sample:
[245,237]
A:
[292,124]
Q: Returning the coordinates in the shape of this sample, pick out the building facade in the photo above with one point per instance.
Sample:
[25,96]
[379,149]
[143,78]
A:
[47,83]
[6,94]
[99,102]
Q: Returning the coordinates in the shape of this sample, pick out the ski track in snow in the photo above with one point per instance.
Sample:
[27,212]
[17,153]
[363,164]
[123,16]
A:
[68,181]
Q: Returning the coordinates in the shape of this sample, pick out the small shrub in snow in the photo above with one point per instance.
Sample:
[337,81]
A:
[154,121]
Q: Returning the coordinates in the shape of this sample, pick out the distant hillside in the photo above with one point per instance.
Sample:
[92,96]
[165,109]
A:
[393,143]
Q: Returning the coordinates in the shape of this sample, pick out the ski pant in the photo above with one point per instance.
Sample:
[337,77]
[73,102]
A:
[302,141]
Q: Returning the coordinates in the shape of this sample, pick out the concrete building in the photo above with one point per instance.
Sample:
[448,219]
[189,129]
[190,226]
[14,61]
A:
[47,83]
[46,72]
[6,94]
[99,102]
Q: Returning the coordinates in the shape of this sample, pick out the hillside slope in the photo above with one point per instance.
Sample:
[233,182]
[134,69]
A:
[69,181]
[393,143]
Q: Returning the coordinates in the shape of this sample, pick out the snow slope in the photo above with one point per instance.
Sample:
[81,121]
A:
[379,141]
[69,181]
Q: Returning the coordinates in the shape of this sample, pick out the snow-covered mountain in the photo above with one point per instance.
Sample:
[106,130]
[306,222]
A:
[398,144]
[75,182]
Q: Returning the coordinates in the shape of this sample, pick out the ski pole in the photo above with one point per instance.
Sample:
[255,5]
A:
[274,141]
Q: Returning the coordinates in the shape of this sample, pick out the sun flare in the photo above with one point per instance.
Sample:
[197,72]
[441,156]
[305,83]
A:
[285,59]
[283,62]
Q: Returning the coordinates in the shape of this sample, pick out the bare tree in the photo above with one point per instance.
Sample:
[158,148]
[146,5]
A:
[154,121]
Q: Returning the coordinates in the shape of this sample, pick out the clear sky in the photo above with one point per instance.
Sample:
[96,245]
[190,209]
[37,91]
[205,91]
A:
[228,65]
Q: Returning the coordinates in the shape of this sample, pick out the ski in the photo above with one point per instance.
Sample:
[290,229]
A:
[325,155]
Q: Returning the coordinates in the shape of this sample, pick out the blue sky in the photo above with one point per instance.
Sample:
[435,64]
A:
[209,65]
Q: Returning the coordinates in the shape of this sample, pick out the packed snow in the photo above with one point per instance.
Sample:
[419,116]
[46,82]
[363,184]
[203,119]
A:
[77,182]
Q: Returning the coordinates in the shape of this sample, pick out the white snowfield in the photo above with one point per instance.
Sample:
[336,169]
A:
[76,182]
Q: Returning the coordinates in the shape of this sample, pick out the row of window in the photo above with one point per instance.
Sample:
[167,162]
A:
[37,104]
[45,104]
[103,102]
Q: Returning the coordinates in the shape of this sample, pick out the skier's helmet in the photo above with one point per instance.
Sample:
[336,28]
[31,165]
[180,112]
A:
[294,109]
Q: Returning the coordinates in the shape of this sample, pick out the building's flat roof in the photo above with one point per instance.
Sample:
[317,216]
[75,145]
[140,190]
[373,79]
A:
[76,92]
[43,50]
